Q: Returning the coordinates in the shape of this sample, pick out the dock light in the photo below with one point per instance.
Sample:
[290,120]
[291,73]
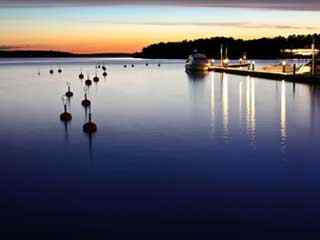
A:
[240,60]
[284,64]
[226,61]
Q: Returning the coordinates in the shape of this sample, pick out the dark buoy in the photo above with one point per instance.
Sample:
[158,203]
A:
[96,79]
[51,71]
[59,70]
[88,82]
[81,76]
[104,68]
[86,102]
[65,116]
[69,94]
[105,74]
[147,64]
[125,66]
[90,127]
[132,65]
[159,65]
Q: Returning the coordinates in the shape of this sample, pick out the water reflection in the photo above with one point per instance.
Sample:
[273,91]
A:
[212,103]
[66,131]
[90,143]
[240,103]
[283,119]
[198,94]
[251,109]
[197,76]
[225,107]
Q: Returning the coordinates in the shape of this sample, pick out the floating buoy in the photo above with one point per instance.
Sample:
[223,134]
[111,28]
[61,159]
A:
[124,66]
[65,116]
[69,94]
[132,65]
[81,76]
[105,74]
[59,70]
[90,127]
[96,79]
[86,102]
[88,82]
[147,64]
[51,71]
[104,68]
[159,65]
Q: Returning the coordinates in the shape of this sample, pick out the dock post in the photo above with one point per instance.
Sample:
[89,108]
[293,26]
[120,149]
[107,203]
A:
[294,69]
[253,65]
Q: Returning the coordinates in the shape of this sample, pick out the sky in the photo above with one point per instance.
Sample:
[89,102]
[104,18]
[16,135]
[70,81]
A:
[128,26]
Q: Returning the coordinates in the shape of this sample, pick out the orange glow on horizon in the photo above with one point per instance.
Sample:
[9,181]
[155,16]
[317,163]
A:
[127,38]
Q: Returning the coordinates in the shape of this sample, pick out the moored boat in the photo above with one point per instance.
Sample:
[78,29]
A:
[198,62]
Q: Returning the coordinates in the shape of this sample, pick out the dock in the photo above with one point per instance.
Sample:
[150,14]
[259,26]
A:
[300,78]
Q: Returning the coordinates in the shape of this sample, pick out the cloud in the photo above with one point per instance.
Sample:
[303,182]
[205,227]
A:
[306,5]
[212,24]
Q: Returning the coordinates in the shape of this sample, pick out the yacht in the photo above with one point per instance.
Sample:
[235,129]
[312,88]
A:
[197,62]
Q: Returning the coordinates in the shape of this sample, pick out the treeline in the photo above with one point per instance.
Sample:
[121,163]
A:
[263,48]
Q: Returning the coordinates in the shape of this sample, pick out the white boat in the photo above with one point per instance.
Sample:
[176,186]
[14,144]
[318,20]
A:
[198,62]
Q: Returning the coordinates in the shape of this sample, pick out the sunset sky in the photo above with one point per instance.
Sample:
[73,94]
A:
[127,26]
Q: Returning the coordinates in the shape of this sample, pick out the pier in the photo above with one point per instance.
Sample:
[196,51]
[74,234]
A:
[301,78]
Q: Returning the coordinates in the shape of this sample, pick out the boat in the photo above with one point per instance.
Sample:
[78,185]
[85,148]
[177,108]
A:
[197,62]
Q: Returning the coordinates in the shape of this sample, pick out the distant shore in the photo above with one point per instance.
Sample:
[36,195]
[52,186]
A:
[57,54]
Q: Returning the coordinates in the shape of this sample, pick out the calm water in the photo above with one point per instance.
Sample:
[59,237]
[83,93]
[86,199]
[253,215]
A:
[173,153]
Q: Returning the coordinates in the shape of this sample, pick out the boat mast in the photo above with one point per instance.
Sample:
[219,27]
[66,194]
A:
[221,54]
[313,57]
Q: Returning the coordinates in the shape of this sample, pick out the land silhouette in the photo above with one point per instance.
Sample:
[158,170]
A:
[262,48]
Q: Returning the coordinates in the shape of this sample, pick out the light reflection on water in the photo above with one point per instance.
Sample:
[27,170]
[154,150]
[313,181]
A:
[212,145]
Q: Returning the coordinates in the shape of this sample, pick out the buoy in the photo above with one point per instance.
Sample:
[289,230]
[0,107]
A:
[159,65]
[105,74]
[124,66]
[96,79]
[90,127]
[51,71]
[69,94]
[88,82]
[59,70]
[132,65]
[147,64]
[86,103]
[81,76]
[65,116]
[104,68]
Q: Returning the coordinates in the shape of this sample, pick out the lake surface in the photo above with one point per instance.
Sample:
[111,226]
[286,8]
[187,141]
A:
[174,153]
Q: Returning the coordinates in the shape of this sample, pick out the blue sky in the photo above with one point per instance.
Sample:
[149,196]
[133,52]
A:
[103,26]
